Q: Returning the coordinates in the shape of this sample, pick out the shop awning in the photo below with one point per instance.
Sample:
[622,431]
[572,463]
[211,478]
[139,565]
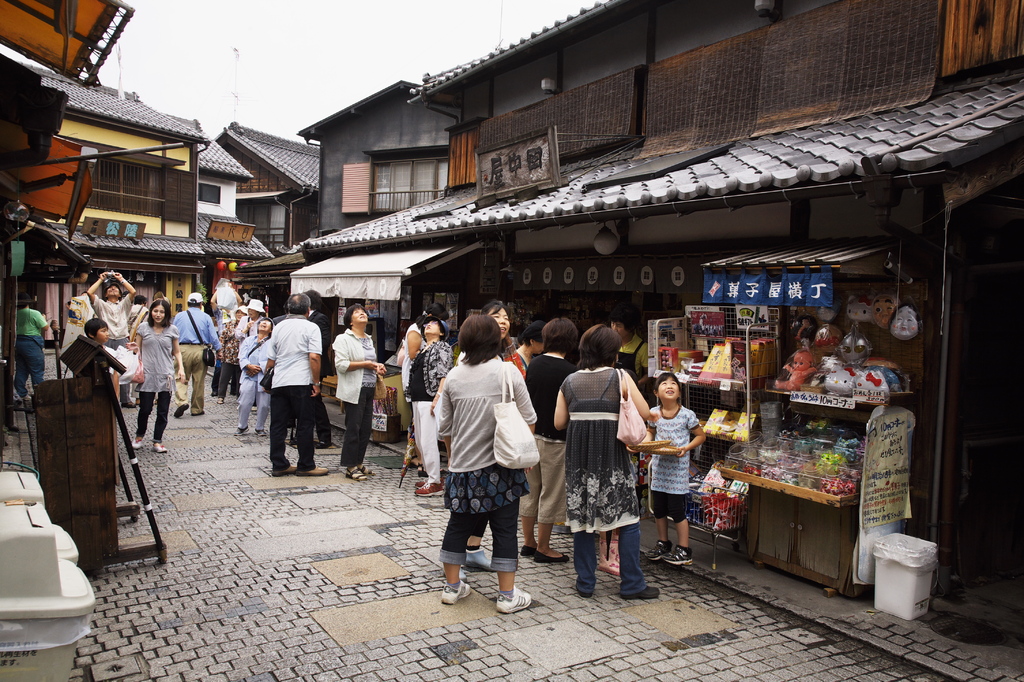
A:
[375,275]
[72,38]
[58,191]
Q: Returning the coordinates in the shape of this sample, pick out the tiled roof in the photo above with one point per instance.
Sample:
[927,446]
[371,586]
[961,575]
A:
[103,101]
[949,129]
[215,159]
[146,244]
[223,248]
[432,82]
[298,161]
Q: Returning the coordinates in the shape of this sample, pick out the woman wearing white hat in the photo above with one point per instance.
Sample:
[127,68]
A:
[248,327]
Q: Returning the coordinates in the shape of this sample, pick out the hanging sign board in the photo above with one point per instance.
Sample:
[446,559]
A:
[527,161]
[791,287]
[885,489]
[232,232]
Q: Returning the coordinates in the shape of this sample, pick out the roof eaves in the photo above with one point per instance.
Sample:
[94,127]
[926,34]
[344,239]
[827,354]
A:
[260,152]
[463,71]
[311,132]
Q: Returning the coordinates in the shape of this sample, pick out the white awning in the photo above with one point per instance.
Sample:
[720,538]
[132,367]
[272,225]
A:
[376,275]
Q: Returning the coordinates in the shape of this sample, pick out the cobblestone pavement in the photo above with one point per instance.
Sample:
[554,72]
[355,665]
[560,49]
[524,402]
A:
[324,579]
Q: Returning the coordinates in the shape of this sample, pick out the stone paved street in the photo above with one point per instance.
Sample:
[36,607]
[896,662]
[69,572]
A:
[328,579]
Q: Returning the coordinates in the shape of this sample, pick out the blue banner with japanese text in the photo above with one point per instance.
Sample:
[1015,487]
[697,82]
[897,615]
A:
[791,287]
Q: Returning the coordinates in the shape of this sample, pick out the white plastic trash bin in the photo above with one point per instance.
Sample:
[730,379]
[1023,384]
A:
[903,575]
[45,602]
[20,485]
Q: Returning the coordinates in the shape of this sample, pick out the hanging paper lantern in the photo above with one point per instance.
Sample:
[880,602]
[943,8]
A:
[221,265]
[232,266]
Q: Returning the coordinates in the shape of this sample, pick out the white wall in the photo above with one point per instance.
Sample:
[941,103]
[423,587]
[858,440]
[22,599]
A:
[226,207]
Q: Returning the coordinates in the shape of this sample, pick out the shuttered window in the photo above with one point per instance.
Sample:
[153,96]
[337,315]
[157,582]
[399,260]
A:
[179,196]
[355,188]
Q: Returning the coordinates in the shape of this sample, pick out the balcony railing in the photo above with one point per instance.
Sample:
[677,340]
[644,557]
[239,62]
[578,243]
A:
[386,202]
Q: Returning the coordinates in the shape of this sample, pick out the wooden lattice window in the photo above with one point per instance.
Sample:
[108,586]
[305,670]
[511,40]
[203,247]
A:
[127,188]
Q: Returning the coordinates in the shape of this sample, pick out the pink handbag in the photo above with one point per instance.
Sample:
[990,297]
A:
[632,429]
[139,376]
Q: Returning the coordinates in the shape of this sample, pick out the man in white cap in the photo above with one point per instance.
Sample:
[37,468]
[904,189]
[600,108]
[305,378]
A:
[248,327]
[195,329]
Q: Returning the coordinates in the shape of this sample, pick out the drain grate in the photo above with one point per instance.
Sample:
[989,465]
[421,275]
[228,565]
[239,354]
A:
[967,630]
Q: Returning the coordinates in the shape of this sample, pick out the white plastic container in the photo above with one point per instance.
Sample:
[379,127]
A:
[20,485]
[45,602]
[903,575]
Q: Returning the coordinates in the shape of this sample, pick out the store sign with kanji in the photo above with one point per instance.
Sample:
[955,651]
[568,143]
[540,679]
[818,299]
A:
[789,287]
[104,227]
[528,161]
[232,232]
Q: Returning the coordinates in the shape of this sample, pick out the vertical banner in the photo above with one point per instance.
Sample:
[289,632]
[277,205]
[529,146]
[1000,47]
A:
[885,487]
[819,288]
[753,288]
[714,286]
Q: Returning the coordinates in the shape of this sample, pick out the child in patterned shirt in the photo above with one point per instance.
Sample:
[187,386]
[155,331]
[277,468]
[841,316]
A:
[670,473]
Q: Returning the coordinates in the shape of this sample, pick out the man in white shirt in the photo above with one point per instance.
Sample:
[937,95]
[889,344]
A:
[294,354]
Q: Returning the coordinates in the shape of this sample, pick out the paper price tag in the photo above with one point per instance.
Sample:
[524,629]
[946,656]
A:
[725,385]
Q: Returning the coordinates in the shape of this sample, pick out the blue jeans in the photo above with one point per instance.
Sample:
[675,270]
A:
[29,360]
[584,558]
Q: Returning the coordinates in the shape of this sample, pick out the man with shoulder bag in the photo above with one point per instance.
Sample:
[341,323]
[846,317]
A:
[195,335]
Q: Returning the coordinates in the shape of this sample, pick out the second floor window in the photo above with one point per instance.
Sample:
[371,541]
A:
[209,194]
[401,184]
[127,188]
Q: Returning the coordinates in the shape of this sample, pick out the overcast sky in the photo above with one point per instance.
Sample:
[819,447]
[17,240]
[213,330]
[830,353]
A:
[302,60]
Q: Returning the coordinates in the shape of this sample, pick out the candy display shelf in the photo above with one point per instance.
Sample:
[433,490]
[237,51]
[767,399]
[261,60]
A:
[792,490]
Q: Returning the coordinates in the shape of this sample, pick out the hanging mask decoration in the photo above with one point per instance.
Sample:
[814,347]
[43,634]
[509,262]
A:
[855,347]
[804,329]
[859,308]
[906,323]
[882,309]
[876,376]
[828,337]
[829,313]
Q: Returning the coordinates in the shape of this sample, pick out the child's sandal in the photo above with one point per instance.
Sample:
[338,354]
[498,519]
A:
[355,474]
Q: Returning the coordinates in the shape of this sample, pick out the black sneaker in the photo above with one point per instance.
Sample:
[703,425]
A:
[648,592]
[679,557]
[180,410]
[660,551]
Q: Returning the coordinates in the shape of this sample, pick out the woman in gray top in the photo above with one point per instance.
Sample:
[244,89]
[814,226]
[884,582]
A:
[477,485]
[157,341]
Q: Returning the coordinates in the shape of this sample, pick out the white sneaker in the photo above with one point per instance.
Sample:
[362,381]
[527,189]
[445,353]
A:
[137,443]
[159,447]
[517,602]
[450,595]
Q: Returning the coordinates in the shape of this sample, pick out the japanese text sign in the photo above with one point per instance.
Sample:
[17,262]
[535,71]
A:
[104,227]
[233,232]
[531,160]
[758,287]
[885,490]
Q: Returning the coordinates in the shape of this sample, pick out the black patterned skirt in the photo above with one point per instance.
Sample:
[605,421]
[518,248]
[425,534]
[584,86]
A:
[483,490]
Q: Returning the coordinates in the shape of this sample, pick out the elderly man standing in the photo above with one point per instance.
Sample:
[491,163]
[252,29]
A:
[294,355]
[195,329]
[114,309]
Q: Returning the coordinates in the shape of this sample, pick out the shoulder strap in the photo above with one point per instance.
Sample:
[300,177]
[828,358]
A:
[198,335]
[623,386]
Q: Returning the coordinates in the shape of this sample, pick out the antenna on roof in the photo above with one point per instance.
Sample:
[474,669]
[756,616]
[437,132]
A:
[501,19]
[234,113]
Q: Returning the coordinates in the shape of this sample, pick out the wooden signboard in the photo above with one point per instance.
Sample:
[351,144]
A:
[104,227]
[232,232]
[527,161]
